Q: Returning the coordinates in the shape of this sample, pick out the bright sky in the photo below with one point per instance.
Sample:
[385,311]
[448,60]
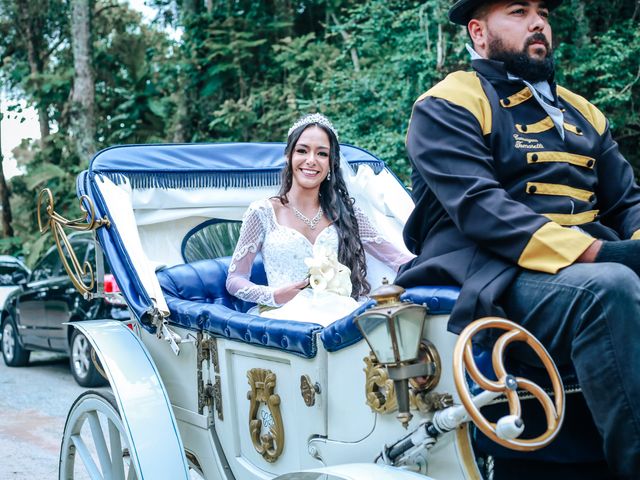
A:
[13,131]
[15,127]
[147,12]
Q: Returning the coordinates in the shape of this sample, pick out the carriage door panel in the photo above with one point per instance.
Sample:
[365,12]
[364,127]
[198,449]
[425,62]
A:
[267,374]
[31,303]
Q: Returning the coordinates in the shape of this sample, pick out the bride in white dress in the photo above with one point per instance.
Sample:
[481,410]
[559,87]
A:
[312,209]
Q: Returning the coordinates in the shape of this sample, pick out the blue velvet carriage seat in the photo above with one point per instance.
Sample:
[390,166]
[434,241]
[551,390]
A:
[198,299]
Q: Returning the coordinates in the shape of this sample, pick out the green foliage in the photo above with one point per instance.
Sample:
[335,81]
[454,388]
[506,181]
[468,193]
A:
[134,80]
[48,27]
[607,71]
[43,174]
[134,71]
[244,70]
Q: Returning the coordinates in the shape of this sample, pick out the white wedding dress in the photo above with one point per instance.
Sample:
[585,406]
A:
[284,250]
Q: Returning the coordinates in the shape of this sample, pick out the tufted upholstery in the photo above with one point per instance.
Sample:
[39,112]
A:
[204,282]
[198,299]
[344,332]
[438,300]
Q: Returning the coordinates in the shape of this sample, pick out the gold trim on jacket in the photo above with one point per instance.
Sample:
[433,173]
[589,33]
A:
[573,219]
[572,158]
[517,98]
[537,188]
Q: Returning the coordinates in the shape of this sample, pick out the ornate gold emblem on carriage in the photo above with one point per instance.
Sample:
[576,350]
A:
[271,443]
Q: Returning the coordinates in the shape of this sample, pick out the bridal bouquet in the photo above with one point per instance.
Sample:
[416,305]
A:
[327,274]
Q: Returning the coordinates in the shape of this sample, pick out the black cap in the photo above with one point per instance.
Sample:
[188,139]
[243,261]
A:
[461,11]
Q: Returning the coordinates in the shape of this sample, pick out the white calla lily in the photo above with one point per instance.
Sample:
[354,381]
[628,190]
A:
[326,273]
[318,282]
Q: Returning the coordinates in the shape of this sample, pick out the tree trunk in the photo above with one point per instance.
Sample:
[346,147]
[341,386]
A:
[36,64]
[190,7]
[424,23]
[179,128]
[43,122]
[441,48]
[7,229]
[83,122]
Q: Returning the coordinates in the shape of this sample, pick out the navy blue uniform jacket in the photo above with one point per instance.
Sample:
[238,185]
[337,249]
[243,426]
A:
[497,189]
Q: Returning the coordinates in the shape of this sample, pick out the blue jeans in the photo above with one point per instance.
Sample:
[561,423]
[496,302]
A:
[588,316]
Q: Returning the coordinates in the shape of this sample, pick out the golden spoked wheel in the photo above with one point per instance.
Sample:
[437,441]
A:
[507,384]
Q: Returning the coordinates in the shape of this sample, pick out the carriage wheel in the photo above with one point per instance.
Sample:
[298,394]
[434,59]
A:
[94,434]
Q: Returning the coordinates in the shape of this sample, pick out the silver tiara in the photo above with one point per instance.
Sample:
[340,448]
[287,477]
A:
[311,119]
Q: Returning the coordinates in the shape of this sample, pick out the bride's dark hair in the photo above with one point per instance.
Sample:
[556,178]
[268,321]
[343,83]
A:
[337,205]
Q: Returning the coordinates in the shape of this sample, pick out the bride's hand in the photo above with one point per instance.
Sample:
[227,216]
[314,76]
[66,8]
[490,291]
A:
[284,294]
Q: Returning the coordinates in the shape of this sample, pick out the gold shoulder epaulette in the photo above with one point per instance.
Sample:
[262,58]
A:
[465,90]
[588,110]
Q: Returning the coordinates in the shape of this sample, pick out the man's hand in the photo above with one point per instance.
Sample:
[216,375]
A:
[590,254]
[625,252]
[284,294]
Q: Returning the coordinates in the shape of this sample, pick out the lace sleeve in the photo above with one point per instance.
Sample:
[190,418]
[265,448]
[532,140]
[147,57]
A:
[249,244]
[378,246]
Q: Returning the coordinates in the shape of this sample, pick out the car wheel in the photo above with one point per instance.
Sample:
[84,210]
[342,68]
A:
[82,367]
[13,353]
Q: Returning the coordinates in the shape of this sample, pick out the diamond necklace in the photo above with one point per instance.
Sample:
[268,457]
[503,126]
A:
[312,223]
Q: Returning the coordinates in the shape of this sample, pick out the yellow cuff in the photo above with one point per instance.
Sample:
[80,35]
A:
[553,247]
[636,235]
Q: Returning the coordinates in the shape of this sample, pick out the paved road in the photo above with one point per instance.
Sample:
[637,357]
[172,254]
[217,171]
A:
[34,401]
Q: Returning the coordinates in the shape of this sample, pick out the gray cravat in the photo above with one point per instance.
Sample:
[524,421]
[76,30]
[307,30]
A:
[542,91]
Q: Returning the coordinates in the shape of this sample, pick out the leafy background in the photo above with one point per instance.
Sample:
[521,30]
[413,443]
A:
[243,70]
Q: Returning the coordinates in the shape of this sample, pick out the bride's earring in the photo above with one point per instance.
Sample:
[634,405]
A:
[328,176]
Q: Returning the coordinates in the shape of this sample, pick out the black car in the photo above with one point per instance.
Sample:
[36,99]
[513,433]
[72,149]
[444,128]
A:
[34,315]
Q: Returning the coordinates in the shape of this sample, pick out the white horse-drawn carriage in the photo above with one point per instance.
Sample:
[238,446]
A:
[202,388]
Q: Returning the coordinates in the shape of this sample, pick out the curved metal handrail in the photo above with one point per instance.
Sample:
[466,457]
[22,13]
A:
[57,223]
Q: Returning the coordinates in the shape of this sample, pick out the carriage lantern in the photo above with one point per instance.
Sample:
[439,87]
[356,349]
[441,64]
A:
[393,330]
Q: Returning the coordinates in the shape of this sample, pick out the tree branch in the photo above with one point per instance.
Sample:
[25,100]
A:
[52,49]
[346,37]
[441,48]
[633,82]
[106,7]
[625,137]
[424,22]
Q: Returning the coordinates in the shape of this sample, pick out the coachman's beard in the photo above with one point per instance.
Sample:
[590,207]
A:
[520,63]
